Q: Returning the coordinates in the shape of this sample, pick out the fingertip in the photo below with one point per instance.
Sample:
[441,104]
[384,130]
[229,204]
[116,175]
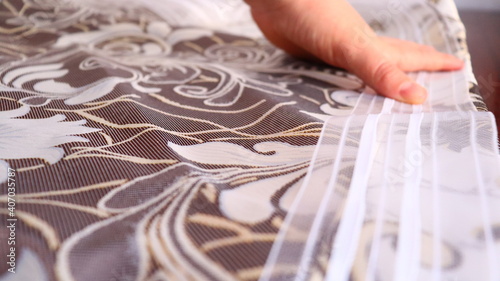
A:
[412,93]
[459,63]
[454,63]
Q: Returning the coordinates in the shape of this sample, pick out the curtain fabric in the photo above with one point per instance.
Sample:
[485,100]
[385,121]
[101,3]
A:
[168,140]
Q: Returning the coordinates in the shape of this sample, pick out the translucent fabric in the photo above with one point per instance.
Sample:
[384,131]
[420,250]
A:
[397,197]
[399,192]
[168,140]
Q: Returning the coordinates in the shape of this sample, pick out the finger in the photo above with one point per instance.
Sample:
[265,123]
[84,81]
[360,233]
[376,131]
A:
[378,72]
[410,56]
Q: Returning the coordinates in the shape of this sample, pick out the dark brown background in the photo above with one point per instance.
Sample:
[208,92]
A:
[483,38]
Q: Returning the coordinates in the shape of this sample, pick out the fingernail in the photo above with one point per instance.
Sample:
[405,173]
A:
[412,93]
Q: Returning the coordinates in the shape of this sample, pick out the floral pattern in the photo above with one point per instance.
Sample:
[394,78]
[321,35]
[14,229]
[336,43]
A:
[147,150]
[36,138]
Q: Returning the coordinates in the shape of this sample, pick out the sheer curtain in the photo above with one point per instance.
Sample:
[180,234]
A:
[168,140]
[399,192]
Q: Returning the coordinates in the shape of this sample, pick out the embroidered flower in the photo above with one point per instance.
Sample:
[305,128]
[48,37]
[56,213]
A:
[37,138]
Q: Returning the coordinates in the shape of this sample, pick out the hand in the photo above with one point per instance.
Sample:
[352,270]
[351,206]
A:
[334,32]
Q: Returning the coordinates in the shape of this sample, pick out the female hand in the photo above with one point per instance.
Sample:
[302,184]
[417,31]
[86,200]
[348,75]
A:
[331,30]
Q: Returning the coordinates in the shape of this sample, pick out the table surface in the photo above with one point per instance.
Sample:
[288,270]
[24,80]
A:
[483,38]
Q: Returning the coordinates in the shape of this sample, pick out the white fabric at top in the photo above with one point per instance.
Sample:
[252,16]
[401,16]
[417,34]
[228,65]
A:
[231,16]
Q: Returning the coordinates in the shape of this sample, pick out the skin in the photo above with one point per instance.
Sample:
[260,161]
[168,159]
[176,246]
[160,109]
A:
[332,31]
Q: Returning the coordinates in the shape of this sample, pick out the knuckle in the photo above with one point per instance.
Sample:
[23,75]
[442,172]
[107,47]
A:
[383,71]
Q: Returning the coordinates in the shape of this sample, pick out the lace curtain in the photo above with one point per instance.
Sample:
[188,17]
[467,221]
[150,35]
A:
[168,140]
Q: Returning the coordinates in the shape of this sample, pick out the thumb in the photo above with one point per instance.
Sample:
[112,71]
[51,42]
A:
[386,78]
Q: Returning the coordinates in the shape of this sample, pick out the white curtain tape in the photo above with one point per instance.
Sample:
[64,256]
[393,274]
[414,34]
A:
[400,192]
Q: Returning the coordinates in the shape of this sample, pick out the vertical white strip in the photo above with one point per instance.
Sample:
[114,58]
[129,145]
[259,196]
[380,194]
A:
[277,248]
[493,264]
[377,235]
[346,240]
[408,247]
[436,222]
[312,239]
[388,105]
[280,238]
[494,133]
